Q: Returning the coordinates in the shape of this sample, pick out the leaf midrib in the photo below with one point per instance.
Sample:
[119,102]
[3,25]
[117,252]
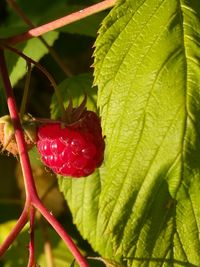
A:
[181,14]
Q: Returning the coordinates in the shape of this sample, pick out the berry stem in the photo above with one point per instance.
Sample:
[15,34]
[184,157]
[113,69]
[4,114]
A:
[44,71]
[53,53]
[31,261]
[60,230]
[55,24]
[26,90]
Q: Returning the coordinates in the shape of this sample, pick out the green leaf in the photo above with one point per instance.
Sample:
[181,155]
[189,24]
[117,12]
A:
[145,204]
[82,196]
[75,88]
[147,56]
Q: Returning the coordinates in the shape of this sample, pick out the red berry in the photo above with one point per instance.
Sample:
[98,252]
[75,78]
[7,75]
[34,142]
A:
[72,150]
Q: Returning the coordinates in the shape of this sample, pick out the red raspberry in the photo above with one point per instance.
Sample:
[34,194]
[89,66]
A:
[72,150]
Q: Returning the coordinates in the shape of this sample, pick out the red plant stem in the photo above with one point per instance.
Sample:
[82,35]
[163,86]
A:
[19,136]
[55,24]
[31,262]
[59,229]
[15,231]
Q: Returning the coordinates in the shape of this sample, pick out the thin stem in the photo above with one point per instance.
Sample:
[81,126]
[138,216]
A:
[26,90]
[15,231]
[19,11]
[60,230]
[19,135]
[31,261]
[53,53]
[44,71]
[38,31]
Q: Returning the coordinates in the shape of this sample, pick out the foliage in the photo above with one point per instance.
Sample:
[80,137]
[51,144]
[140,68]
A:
[141,207]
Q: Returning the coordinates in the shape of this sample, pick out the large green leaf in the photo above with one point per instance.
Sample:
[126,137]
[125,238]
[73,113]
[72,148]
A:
[147,69]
